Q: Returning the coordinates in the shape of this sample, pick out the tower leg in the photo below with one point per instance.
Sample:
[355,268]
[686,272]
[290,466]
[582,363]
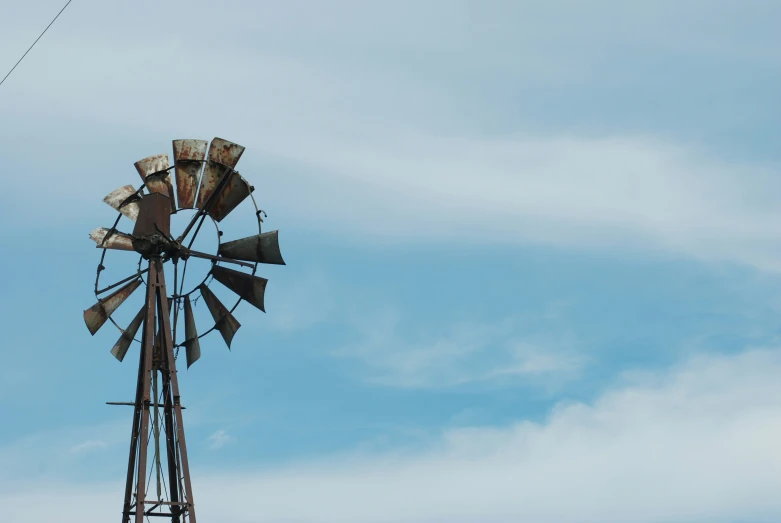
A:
[170,366]
[170,446]
[141,409]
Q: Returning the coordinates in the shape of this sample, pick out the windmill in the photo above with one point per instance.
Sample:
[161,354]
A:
[208,187]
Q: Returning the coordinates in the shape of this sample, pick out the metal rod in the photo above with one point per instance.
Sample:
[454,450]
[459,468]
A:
[120,282]
[103,256]
[129,404]
[170,438]
[158,465]
[205,256]
[175,301]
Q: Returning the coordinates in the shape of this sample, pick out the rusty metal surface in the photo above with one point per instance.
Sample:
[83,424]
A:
[223,319]
[235,192]
[222,154]
[263,248]
[97,315]
[250,288]
[117,240]
[191,344]
[188,161]
[153,171]
[154,216]
[123,343]
[117,197]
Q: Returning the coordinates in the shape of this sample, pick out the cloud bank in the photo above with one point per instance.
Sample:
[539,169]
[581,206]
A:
[697,443]
[389,123]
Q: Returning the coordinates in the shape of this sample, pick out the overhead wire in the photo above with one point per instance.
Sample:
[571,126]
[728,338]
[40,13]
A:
[36,41]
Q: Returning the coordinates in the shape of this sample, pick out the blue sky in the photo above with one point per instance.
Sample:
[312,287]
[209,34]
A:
[533,257]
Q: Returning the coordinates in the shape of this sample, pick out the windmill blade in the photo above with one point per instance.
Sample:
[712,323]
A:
[235,192]
[223,319]
[124,341]
[116,240]
[97,315]
[154,172]
[188,160]
[191,344]
[154,217]
[263,248]
[250,288]
[126,195]
[222,154]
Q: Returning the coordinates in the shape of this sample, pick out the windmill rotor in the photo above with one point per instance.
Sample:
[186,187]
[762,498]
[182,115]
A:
[152,233]
[202,181]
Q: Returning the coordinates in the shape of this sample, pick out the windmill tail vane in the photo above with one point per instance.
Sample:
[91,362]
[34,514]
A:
[206,183]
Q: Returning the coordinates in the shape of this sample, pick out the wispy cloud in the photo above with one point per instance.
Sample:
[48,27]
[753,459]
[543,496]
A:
[394,354]
[88,446]
[367,148]
[631,192]
[219,439]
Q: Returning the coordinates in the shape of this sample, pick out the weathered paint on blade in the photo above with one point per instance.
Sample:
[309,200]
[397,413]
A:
[232,195]
[123,343]
[263,248]
[161,182]
[97,315]
[154,217]
[223,319]
[188,160]
[191,344]
[222,154]
[117,197]
[117,240]
[250,288]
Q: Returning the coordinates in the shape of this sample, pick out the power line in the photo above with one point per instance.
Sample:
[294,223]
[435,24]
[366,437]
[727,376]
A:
[36,41]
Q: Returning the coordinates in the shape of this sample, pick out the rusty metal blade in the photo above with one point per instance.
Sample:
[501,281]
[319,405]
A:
[191,344]
[117,240]
[154,217]
[188,159]
[153,170]
[127,195]
[222,154]
[223,319]
[232,195]
[263,248]
[123,343]
[97,315]
[250,288]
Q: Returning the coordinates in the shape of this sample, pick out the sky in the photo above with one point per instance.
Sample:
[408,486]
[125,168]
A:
[533,257]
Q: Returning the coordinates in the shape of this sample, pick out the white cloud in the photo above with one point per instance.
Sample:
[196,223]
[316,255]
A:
[87,446]
[51,451]
[363,147]
[517,349]
[219,439]
[635,193]
[697,443]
